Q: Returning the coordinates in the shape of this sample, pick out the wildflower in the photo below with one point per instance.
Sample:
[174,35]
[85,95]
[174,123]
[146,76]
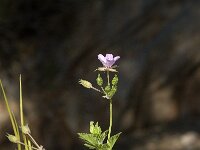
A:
[108,61]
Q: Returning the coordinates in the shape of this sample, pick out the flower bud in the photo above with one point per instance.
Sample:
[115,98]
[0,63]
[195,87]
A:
[99,80]
[85,83]
[115,80]
[95,129]
[112,91]
[107,88]
[92,127]
[26,129]
[12,138]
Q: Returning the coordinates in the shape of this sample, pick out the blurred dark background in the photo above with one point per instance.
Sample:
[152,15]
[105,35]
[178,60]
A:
[53,43]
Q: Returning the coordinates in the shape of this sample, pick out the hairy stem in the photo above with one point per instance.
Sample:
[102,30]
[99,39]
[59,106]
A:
[96,89]
[108,77]
[29,147]
[21,111]
[32,139]
[110,127]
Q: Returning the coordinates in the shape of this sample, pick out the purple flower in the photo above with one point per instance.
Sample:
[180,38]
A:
[108,61]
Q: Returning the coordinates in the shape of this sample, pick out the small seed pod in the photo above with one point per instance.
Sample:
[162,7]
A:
[99,80]
[115,80]
[26,129]
[12,138]
[85,83]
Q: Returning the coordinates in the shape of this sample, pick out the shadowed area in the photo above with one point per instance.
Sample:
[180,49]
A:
[55,43]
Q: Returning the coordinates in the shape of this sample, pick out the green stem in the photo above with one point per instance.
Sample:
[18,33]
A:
[12,119]
[103,90]
[110,127]
[108,77]
[21,111]
[96,89]
[33,140]
[29,146]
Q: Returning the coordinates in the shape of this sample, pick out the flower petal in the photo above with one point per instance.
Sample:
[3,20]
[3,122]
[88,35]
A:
[102,58]
[116,58]
[109,56]
[110,63]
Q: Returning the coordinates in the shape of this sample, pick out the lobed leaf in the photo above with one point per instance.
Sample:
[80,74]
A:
[90,146]
[89,139]
[103,136]
[113,139]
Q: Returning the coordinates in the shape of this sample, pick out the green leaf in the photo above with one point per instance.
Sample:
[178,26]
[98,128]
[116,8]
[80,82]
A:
[113,139]
[89,139]
[103,136]
[104,147]
[95,129]
[11,115]
[95,139]
[90,146]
